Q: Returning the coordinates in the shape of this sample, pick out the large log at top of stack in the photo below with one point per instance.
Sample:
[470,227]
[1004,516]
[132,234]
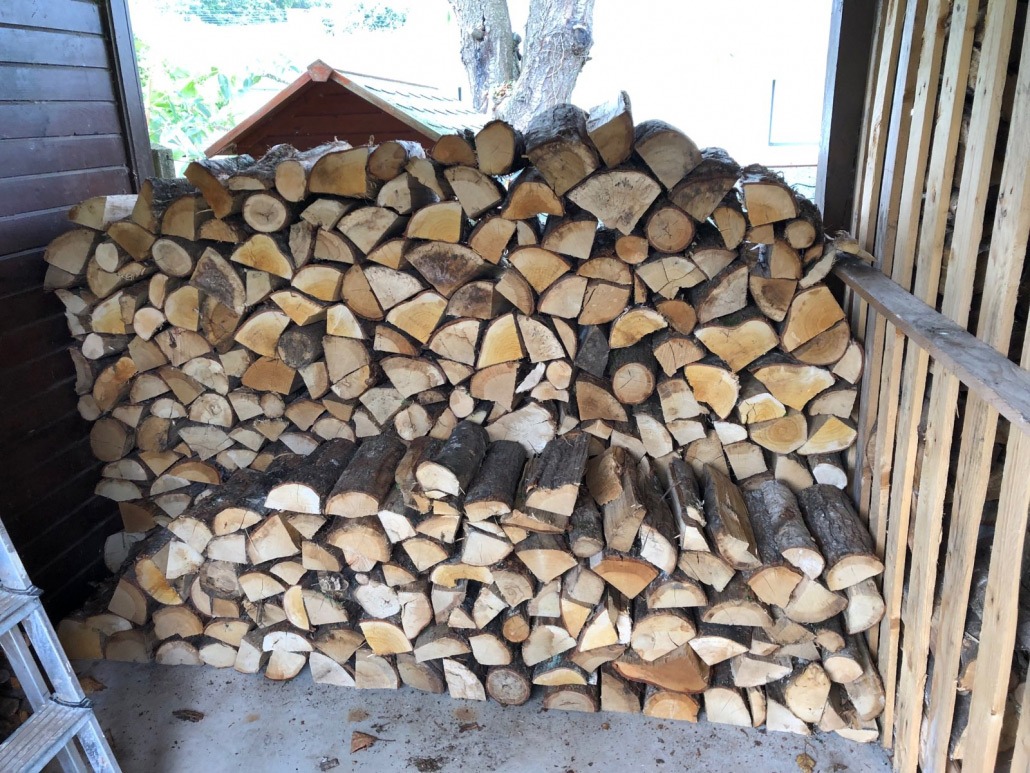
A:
[511,411]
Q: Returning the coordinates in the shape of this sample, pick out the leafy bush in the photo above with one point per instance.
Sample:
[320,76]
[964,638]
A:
[186,110]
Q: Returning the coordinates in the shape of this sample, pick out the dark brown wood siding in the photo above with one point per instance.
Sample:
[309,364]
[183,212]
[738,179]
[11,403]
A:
[71,127]
[323,112]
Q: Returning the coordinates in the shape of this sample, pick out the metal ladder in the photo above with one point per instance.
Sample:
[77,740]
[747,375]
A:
[61,713]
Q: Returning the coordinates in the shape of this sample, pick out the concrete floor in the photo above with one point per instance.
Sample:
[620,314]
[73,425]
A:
[252,724]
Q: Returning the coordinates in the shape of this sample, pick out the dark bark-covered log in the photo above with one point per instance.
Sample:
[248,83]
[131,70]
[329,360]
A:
[558,146]
[715,643]
[724,701]
[659,534]
[300,346]
[493,488]
[844,539]
[775,505]
[303,488]
[593,352]
[451,469]
[776,579]
[586,533]
[366,481]
[552,482]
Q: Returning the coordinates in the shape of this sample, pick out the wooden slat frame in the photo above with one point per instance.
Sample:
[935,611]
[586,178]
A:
[879,119]
[916,616]
[898,424]
[1009,238]
[883,225]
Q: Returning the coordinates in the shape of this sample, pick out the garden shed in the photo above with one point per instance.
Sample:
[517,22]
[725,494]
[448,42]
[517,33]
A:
[325,104]
[389,419]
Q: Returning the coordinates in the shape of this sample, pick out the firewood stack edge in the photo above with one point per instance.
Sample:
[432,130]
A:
[564,409]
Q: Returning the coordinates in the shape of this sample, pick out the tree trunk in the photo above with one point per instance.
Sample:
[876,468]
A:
[557,41]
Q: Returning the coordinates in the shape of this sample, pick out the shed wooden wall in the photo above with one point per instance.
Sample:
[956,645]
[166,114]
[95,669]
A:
[323,112]
[71,127]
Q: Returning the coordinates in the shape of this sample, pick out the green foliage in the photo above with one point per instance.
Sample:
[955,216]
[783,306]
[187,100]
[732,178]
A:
[186,110]
[246,11]
[377,16]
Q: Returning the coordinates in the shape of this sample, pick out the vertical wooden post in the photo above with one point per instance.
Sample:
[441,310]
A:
[127,82]
[847,70]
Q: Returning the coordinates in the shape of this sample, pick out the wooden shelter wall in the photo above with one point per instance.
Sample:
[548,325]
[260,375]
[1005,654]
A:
[70,112]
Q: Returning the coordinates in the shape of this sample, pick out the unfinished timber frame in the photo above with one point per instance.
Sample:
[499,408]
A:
[940,467]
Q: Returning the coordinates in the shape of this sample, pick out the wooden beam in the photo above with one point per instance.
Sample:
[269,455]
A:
[1000,382]
[125,73]
[847,70]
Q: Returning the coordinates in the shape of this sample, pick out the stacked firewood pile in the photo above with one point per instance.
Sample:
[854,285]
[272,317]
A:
[563,409]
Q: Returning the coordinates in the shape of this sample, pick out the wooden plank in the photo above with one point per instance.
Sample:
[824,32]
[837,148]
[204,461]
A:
[28,481]
[21,271]
[75,488]
[1005,260]
[27,307]
[51,405]
[1021,753]
[20,233]
[19,383]
[998,380]
[72,15]
[125,72]
[58,119]
[966,236]
[46,191]
[60,154]
[40,82]
[1001,609]
[846,72]
[260,145]
[900,413]
[19,345]
[44,46]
